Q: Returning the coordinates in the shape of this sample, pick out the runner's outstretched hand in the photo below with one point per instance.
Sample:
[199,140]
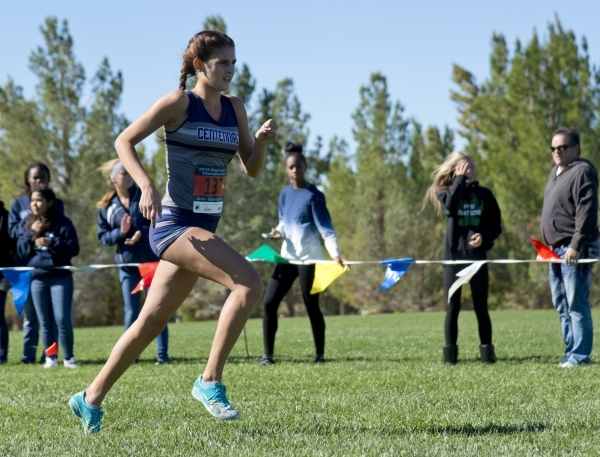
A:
[268,132]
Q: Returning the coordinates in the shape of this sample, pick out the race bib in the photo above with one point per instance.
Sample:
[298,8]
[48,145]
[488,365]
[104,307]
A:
[209,189]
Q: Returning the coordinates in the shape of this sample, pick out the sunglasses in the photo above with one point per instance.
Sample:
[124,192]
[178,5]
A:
[561,148]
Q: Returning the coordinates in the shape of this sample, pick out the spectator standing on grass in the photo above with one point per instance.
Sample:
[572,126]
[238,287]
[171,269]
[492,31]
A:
[203,131]
[473,224]
[48,239]
[36,175]
[303,216]
[570,227]
[121,223]
[6,260]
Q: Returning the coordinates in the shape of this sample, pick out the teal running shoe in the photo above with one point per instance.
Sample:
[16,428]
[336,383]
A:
[214,400]
[90,417]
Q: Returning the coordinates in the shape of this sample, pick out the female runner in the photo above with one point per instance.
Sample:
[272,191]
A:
[203,131]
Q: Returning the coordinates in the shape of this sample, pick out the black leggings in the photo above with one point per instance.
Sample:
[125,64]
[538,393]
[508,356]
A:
[280,283]
[479,290]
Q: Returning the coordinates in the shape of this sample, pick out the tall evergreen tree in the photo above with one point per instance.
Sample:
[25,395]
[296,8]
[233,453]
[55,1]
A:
[61,80]
[23,139]
[422,229]
[216,23]
[370,186]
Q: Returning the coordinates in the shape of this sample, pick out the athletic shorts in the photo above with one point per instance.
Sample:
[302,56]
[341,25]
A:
[174,222]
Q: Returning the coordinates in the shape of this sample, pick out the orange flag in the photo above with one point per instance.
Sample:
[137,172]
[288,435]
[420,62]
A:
[52,350]
[544,252]
[147,271]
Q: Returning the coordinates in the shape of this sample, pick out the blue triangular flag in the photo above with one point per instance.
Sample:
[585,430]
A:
[20,282]
[396,268]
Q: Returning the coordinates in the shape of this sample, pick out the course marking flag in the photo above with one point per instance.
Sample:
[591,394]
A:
[464,276]
[544,252]
[325,274]
[147,271]
[19,287]
[266,253]
[396,268]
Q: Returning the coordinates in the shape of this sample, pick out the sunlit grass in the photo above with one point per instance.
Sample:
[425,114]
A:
[384,391]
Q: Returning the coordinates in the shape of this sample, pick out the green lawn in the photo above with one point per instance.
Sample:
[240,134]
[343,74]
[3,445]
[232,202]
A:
[384,391]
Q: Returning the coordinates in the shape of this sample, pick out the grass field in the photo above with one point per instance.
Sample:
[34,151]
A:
[384,391]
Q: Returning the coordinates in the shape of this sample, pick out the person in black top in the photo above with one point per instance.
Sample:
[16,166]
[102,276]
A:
[6,260]
[474,223]
[570,226]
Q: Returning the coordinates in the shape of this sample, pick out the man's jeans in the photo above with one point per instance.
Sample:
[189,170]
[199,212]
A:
[570,287]
[130,277]
[53,298]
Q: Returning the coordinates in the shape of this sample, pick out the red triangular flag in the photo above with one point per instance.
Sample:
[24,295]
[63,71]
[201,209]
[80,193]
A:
[52,350]
[544,252]
[147,271]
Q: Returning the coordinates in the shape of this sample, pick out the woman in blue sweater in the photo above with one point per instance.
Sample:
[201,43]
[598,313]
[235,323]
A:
[48,239]
[121,223]
[37,174]
[303,216]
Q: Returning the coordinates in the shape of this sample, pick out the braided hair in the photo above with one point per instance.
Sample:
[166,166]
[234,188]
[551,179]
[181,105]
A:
[203,46]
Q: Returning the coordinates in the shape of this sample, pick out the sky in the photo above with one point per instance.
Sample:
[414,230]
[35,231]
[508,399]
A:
[328,48]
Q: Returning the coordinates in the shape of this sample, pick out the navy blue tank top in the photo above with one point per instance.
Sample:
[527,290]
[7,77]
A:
[197,154]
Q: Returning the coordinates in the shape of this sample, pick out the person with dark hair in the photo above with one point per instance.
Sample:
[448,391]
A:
[121,223]
[570,227]
[203,131]
[303,216]
[474,223]
[6,260]
[48,240]
[36,174]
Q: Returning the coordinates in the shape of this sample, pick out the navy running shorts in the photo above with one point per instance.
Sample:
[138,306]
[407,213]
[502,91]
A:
[174,222]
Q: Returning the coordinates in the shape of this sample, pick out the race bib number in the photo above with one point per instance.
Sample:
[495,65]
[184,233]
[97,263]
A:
[209,189]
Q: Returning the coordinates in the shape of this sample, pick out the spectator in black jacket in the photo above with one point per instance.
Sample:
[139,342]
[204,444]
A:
[6,260]
[48,239]
[474,223]
[570,227]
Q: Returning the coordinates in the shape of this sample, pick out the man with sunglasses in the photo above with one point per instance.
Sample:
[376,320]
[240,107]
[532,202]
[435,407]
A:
[570,228]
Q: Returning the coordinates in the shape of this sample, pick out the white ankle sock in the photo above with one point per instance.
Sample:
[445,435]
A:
[87,404]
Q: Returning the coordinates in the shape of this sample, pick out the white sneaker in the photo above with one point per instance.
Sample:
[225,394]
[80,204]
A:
[50,362]
[70,363]
[568,365]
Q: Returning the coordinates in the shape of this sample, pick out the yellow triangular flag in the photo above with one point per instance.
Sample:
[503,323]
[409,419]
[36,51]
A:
[325,274]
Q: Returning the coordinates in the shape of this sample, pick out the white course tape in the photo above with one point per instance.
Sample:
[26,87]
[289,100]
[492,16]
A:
[87,268]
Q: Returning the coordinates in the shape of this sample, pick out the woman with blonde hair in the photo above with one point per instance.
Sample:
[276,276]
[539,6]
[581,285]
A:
[121,223]
[474,223]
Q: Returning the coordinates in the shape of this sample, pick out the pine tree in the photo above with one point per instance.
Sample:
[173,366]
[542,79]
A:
[369,183]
